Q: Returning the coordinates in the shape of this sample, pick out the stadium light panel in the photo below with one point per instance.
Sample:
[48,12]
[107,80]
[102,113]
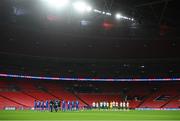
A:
[97,11]
[126,18]
[57,4]
[118,16]
[103,12]
[109,14]
[82,7]
[89,8]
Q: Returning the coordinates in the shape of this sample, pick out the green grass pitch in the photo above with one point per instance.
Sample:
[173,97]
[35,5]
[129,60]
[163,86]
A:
[90,115]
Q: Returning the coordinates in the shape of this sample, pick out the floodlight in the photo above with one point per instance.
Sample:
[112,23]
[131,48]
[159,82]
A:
[81,7]
[97,11]
[57,4]
[109,14]
[118,16]
[88,8]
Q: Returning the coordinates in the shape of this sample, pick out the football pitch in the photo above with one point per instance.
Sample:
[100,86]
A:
[90,115]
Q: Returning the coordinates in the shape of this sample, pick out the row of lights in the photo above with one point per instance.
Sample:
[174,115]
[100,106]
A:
[81,7]
[119,16]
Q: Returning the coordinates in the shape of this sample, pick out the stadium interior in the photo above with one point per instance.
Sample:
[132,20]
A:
[91,51]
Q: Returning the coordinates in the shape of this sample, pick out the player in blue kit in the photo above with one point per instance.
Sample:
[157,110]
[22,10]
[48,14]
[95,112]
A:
[38,105]
[77,105]
[42,105]
[35,105]
[69,105]
[47,104]
[63,105]
[73,105]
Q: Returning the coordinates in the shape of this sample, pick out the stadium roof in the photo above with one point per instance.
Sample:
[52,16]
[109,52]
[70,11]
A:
[153,34]
[156,11]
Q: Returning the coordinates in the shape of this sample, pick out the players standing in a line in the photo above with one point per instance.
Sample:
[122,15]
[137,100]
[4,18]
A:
[56,105]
